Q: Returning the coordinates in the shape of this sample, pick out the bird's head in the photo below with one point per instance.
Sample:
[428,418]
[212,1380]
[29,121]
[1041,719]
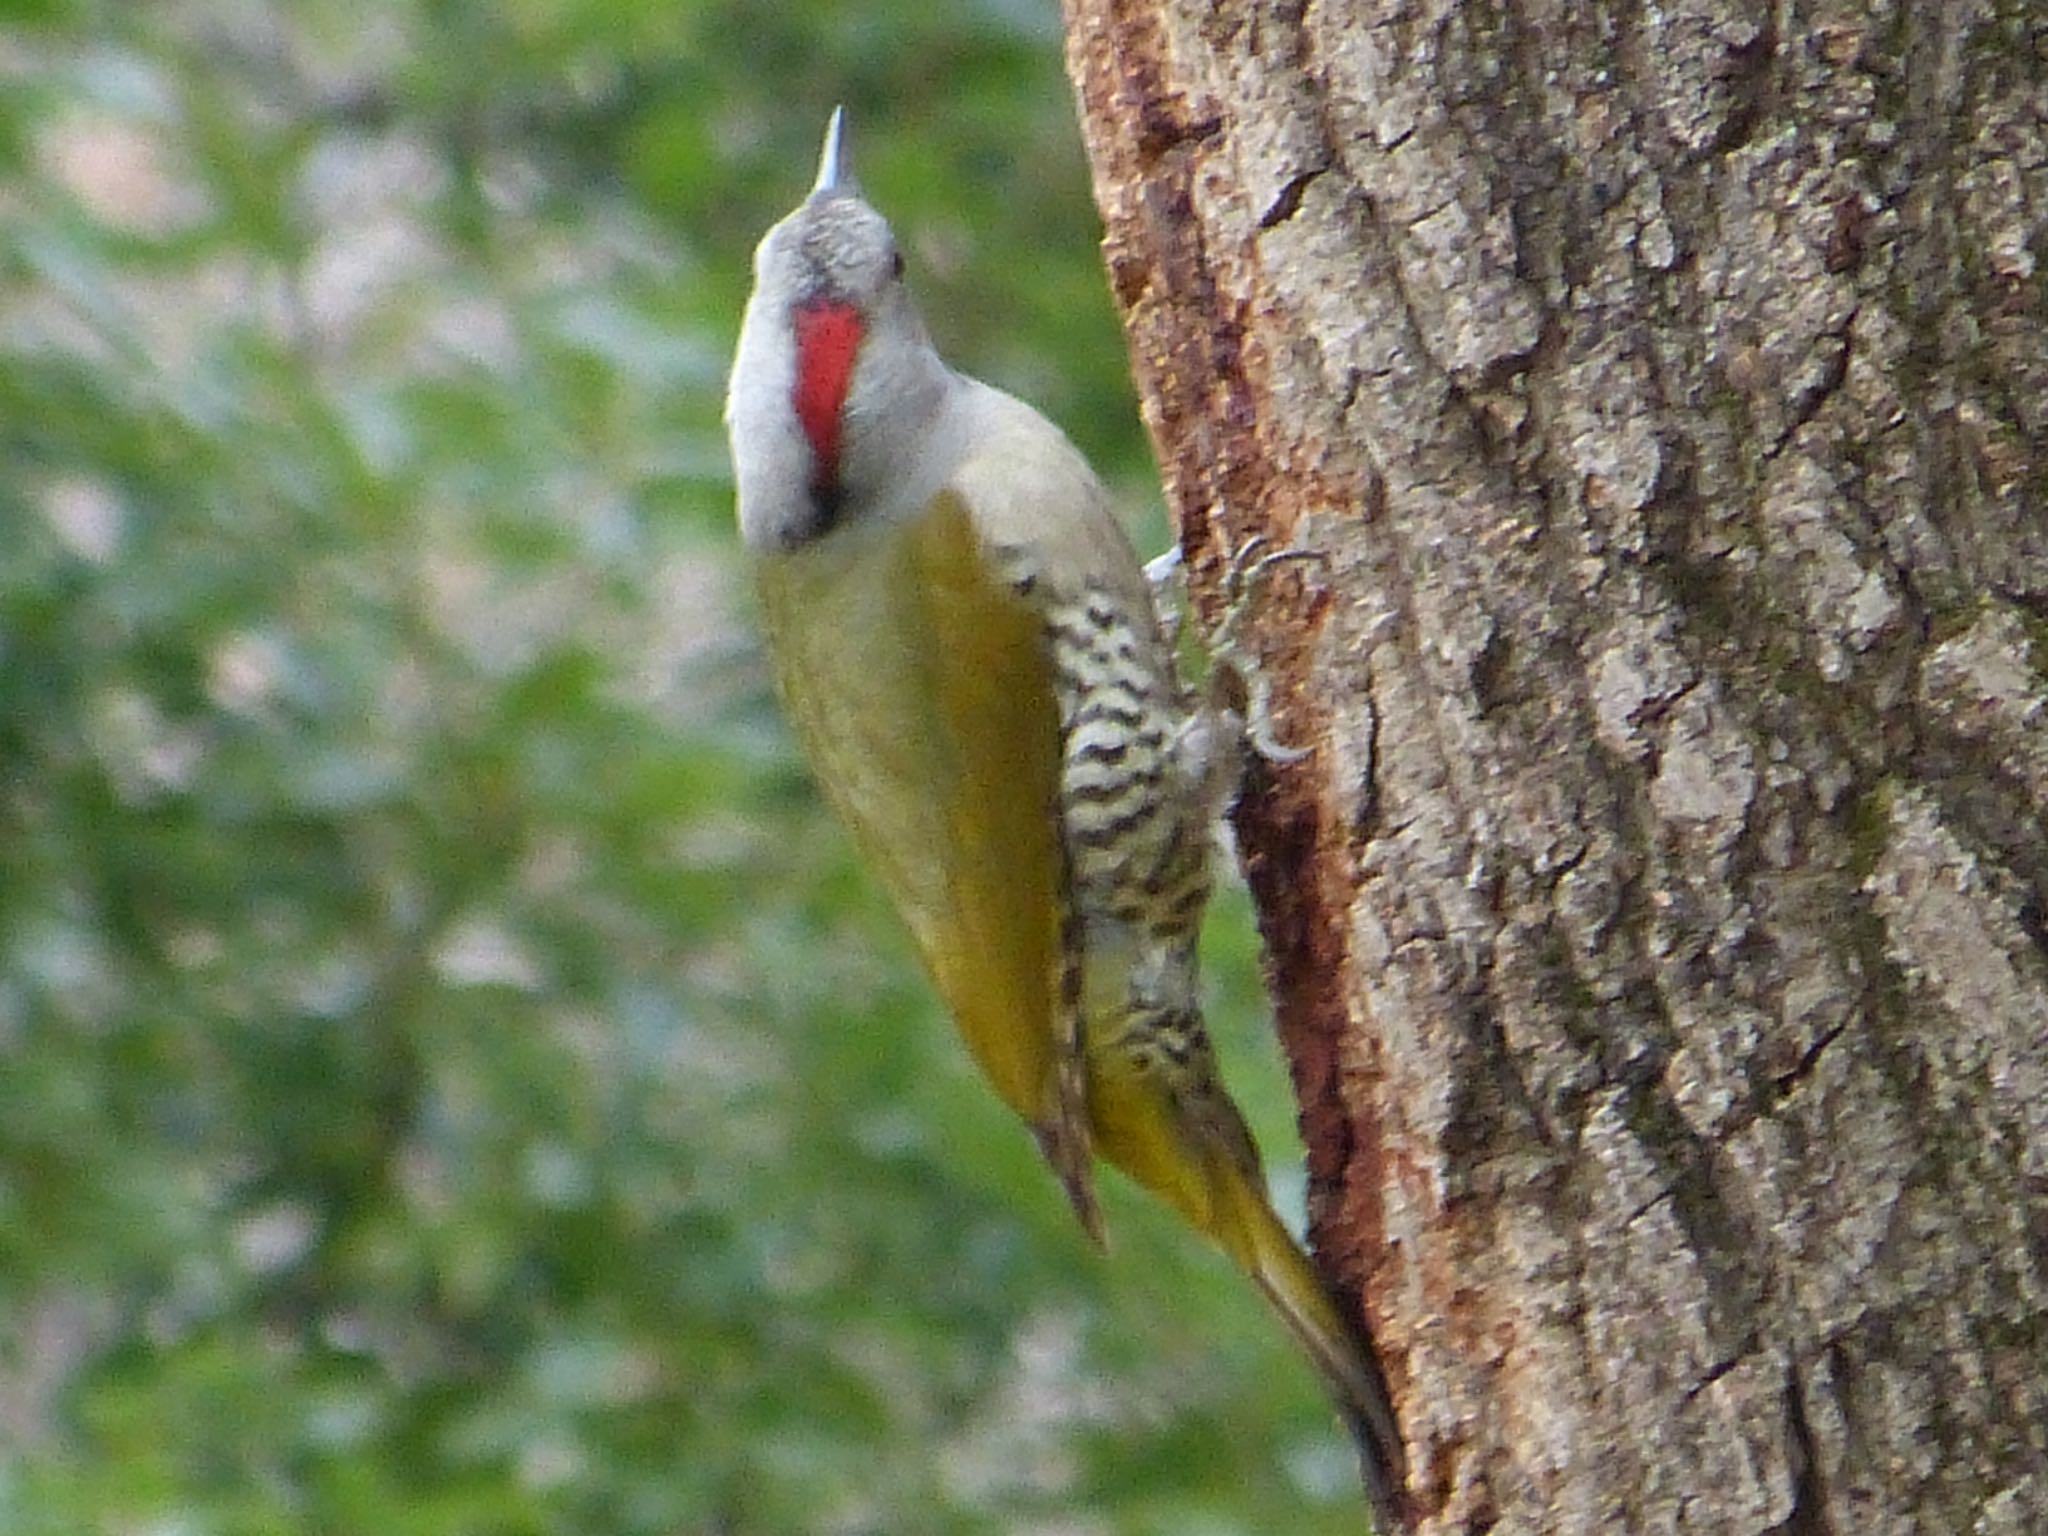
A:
[835,377]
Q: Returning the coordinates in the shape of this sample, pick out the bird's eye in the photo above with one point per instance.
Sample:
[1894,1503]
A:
[896,264]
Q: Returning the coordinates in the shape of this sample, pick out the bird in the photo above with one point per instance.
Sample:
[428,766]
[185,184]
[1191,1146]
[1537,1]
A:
[974,664]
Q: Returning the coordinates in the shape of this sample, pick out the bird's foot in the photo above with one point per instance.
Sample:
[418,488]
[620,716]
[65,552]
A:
[1167,576]
[1249,568]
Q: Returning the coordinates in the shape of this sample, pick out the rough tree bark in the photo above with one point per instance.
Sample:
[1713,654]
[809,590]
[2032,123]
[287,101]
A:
[1658,933]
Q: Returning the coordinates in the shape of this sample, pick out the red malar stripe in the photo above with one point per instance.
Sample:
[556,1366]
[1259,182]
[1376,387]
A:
[828,335]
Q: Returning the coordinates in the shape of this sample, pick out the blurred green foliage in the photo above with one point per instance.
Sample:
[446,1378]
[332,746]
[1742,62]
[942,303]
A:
[453,1078]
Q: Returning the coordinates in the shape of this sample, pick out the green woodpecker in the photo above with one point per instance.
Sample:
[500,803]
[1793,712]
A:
[970,655]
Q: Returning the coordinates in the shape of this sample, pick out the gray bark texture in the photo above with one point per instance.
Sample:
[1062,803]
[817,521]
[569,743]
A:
[1660,931]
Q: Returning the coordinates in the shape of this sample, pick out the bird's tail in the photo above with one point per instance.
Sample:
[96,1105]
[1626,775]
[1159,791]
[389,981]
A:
[1342,1358]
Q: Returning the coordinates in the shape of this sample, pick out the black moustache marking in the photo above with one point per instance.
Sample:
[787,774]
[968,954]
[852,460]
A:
[828,506]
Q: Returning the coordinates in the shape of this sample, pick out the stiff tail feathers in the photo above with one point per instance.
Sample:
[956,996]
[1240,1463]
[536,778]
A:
[1342,1358]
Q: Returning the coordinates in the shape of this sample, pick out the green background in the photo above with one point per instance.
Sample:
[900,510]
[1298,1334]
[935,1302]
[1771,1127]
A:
[453,1076]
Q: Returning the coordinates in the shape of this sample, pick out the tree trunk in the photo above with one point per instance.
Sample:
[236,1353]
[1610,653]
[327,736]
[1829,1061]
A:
[1658,930]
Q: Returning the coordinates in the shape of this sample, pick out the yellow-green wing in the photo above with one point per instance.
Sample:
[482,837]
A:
[918,683]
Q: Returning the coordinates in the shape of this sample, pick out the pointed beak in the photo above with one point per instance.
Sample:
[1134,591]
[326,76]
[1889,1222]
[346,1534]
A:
[835,174]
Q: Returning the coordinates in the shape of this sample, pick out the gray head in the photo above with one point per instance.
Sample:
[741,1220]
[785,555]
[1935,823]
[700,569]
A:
[835,376]
[834,246]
